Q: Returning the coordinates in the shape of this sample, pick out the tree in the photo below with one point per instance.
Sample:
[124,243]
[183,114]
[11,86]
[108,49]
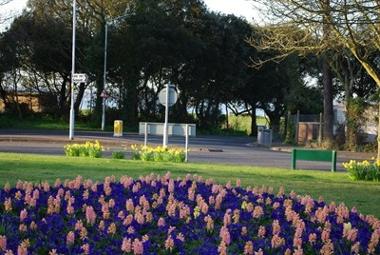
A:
[320,26]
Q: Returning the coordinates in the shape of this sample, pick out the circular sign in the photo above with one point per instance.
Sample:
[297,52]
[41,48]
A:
[173,96]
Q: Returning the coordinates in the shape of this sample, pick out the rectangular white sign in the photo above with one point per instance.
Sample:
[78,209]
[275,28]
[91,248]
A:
[79,78]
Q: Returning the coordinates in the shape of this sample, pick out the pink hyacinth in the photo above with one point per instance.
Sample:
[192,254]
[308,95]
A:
[248,248]
[244,231]
[257,212]
[128,220]
[225,235]
[90,215]
[169,243]
[53,252]
[171,186]
[298,251]
[222,248]
[259,252]
[312,238]
[70,238]
[3,243]
[85,248]
[277,241]
[180,237]
[138,247]
[375,238]
[262,232]
[276,228]
[327,248]
[126,245]
[355,248]
[129,205]
[209,223]
[22,250]
[70,209]
[23,214]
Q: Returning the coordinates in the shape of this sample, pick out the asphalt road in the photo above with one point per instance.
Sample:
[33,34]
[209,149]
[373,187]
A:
[210,149]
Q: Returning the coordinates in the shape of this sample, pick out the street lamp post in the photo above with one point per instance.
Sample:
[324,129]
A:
[104,74]
[105,65]
[72,113]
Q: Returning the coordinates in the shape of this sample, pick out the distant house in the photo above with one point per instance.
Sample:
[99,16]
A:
[369,127]
[32,102]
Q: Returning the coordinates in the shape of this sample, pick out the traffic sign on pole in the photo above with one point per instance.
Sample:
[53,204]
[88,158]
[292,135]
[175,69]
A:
[80,78]
[173,96]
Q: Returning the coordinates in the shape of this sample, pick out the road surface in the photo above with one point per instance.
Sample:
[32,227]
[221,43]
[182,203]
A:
[210,149]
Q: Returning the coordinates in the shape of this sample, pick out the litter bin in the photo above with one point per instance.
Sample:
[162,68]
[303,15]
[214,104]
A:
[264,137]
[118,128]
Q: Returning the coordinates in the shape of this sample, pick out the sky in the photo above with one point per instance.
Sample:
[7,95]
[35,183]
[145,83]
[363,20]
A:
[238,7]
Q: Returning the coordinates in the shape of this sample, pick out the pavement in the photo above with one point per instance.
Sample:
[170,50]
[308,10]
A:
[205,149]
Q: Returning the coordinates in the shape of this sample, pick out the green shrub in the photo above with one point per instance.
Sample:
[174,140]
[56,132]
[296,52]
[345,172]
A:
[88,149]
[118,155]
[367,171]
[158,154]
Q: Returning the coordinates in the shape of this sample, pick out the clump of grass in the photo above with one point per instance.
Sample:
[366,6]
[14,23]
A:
[118,155]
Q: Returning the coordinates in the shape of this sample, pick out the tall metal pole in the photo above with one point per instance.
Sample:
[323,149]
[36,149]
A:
[72,113]
[187,143]
[165,139]
[145,134]
[105,73]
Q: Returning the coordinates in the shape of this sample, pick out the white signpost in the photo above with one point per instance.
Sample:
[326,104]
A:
[167,97]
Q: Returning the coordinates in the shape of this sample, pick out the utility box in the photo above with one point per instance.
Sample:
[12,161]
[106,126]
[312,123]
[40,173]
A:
[264,137]
[118,128]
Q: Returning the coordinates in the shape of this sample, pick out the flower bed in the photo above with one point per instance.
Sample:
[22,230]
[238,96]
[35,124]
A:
[158,154]
[88,149]
[365,170]
[160,215]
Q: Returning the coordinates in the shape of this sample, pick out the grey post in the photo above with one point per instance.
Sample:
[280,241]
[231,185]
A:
[320,128]
[297,126]
[105,73]
[145,134]
[165,138]
[72,113]
[187,143]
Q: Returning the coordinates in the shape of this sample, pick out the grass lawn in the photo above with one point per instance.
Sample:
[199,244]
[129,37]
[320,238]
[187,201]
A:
[332,186]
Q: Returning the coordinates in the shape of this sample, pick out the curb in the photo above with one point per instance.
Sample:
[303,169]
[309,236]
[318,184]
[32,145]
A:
[78,139]
[29,139]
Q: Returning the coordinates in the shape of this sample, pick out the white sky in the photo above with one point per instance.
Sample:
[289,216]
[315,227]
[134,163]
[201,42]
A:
[238,7]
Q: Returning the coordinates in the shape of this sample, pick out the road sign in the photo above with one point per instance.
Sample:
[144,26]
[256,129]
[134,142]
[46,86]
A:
[104,94]
[80,78]
[173,96]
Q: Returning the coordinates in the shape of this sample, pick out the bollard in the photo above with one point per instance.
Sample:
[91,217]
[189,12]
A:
[118,128]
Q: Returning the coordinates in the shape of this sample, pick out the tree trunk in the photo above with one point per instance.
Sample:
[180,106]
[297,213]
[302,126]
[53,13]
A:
[78,100]
[62,100]
[98,100]
[227,117]
[378,136]
[253,121]
[328,113]
[130,101]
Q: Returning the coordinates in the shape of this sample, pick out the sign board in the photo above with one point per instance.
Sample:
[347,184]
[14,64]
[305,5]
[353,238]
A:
[104,94]
[79,78]
[173,96]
